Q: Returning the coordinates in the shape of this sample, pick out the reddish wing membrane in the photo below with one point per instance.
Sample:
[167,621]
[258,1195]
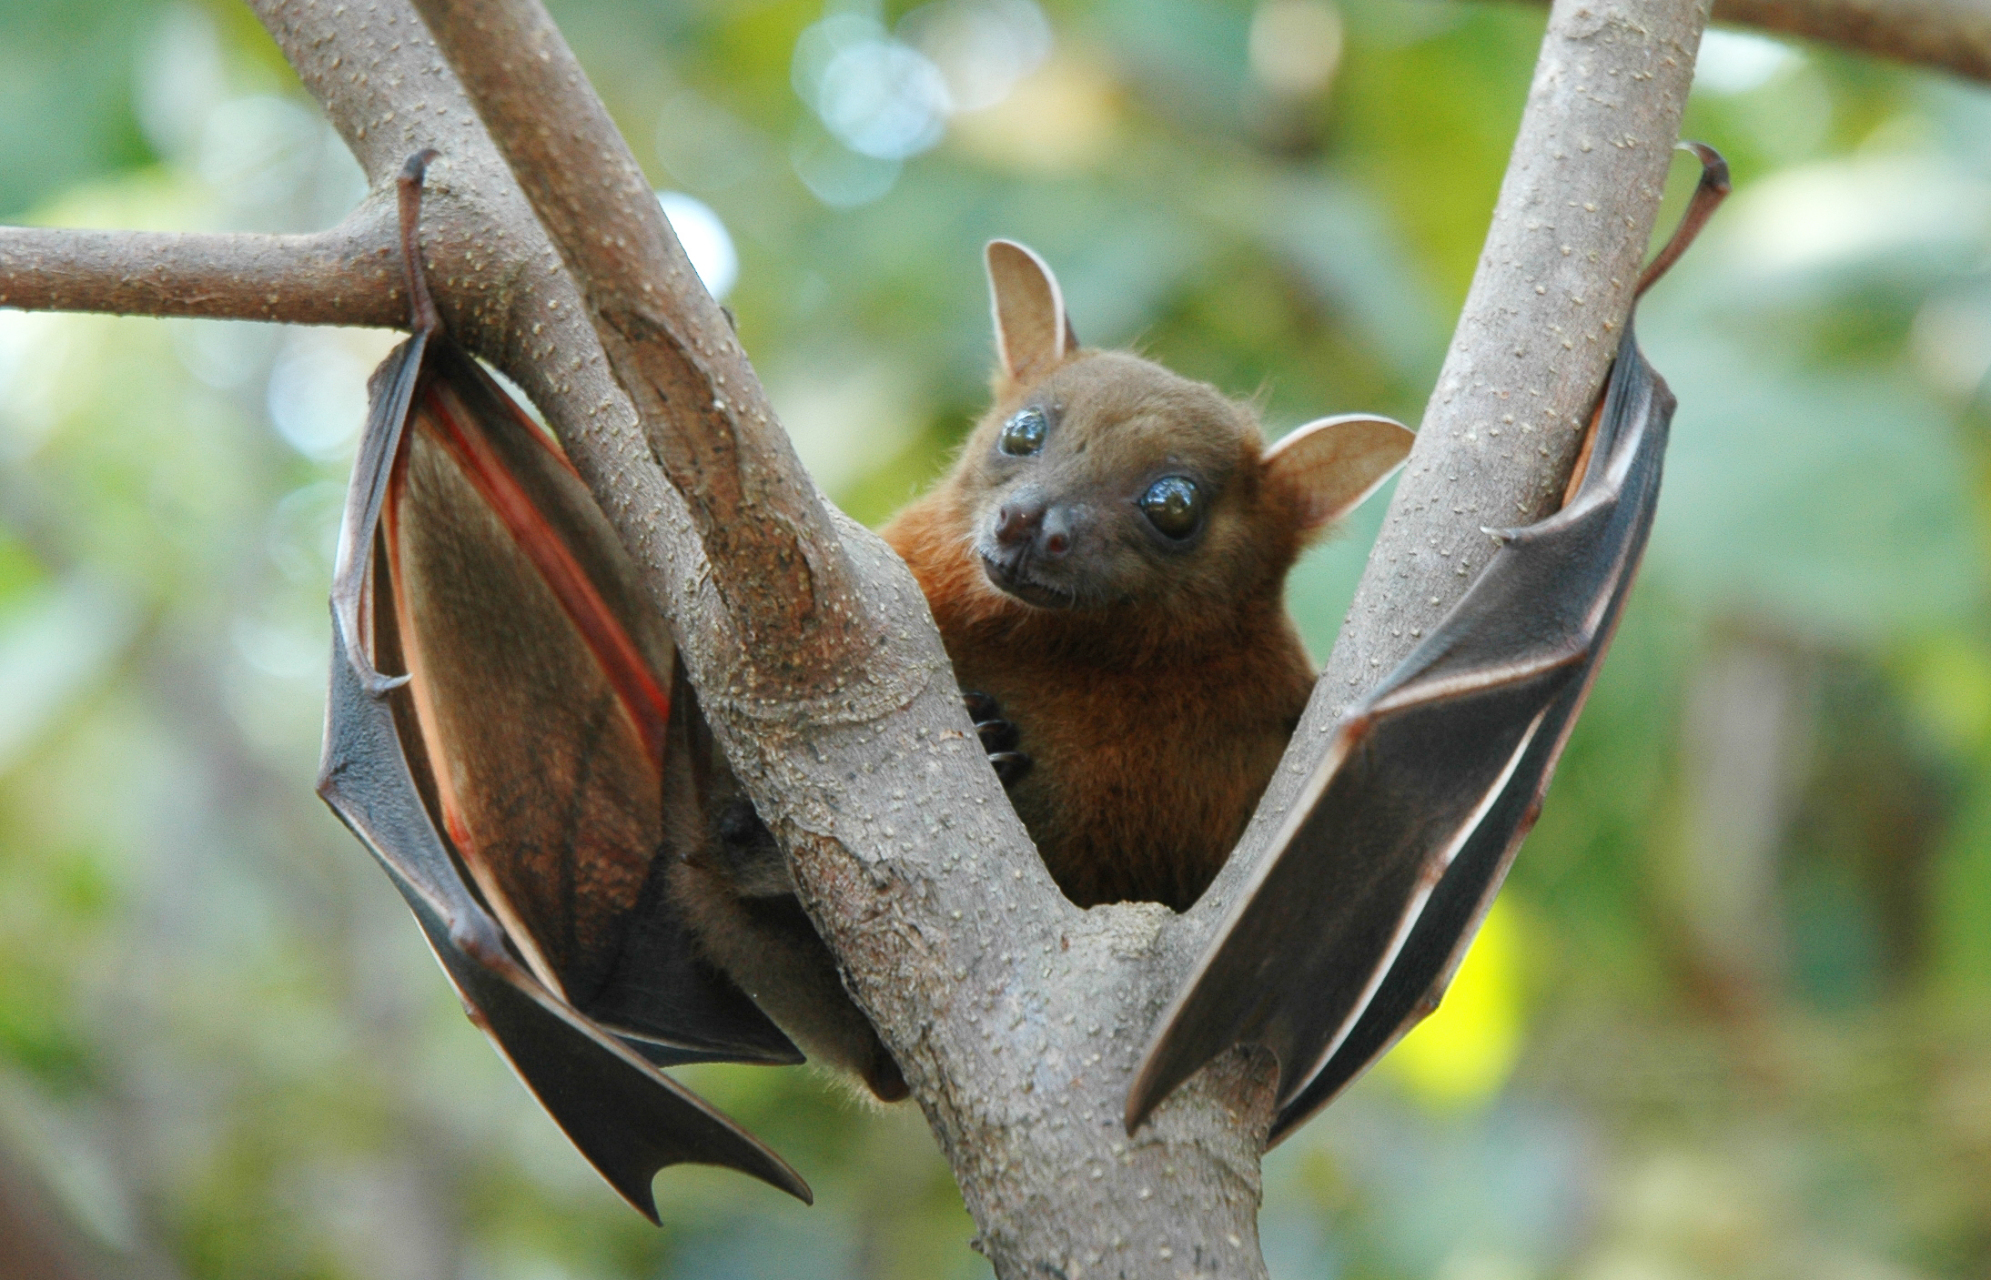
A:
[510,773]
[538,679]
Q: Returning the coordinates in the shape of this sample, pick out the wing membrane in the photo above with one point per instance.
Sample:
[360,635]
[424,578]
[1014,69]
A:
[528,742]
[1350,930]
[1442,931]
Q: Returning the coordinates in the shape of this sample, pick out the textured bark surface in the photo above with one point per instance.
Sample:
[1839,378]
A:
[1539,328]
[350,274]
[1954,35]
[1018,1019]
[1541,322]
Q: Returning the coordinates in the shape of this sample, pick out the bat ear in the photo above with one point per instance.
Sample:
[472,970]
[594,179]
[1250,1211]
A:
[1328,466]
[1033,335]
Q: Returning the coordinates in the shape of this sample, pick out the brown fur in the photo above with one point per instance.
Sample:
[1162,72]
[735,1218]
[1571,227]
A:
[1153,686]
[1156,708]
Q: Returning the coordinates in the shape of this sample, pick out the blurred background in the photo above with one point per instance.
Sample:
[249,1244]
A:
[1732,1016]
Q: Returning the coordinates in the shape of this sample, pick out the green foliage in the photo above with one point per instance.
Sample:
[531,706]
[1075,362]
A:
[1740,988]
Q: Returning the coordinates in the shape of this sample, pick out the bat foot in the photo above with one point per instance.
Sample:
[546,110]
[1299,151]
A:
[884,1078]
[739,826]
[745,854]
[998,737]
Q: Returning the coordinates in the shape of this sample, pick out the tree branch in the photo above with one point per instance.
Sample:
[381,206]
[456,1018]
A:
[1953,35]
[1949,35]
[1528,358]
[350,274]
[777,562]
[1541,321]
[1018,1019]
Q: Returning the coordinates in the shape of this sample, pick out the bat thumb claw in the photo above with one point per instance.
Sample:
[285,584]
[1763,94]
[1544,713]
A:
[370,677]
[378,685]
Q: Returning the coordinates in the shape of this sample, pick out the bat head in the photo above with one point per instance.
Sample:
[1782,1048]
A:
[1102,480]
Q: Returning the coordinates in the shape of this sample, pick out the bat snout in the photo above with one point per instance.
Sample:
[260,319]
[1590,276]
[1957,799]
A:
[1028,525]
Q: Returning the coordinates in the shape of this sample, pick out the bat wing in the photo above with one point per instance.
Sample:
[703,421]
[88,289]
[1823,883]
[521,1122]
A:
[1349,932]
[518,782]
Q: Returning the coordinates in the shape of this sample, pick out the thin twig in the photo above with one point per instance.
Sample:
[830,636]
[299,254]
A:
[347,275]
[1951,35]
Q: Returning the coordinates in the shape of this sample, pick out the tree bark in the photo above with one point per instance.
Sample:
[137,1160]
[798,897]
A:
[350,274]
[1018,1019]
[1948,35]
[1953,35]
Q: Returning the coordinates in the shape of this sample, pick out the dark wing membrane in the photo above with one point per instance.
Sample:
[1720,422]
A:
[379,777]
[540,683]
[628,1119]
[1437,943]
[1351,928]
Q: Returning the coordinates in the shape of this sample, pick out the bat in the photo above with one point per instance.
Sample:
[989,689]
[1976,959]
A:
[529,823]
[1348,932]
[540,865]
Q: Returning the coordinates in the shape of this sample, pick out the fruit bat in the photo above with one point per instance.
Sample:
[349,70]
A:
[1349,930]
[1107,561]
[559,792]
[470,556]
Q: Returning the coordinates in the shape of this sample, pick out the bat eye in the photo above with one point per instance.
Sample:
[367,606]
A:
[1173,505]
[1024,434]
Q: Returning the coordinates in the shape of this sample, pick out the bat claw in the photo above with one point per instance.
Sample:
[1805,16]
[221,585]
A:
[998,736]
[1010,766]
[378,685]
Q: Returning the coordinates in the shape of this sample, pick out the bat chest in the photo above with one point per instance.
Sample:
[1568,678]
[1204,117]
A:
[1141,782]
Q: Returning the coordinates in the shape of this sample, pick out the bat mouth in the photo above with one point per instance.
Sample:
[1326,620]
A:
[1013,577]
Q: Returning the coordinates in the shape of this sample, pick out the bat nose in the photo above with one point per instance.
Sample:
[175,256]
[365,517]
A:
[1027,523]
[1054,533]
[1018,520]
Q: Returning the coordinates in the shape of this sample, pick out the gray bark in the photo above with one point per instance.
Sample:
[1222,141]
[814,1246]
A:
[350,274]
[1954,35]
[1018,1019]
[1950,35]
